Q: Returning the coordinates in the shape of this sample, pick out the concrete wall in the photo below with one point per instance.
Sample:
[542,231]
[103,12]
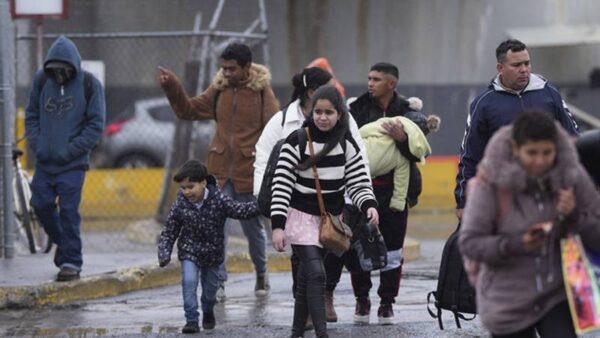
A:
[445,48]
[433,41]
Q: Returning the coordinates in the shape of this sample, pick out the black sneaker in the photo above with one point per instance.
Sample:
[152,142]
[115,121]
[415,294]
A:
[67,274]
[208,320]
[362,311]
[191,327]
[385,314]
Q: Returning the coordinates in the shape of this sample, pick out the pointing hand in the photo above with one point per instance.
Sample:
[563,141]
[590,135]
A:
[164,76]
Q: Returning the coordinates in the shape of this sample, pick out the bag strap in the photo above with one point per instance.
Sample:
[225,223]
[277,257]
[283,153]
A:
[437,316]
[315,173]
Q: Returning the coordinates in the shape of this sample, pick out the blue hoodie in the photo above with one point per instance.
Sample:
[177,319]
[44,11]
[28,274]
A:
[496,107]
[60,126]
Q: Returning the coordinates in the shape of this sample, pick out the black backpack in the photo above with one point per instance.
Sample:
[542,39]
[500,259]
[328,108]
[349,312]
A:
[87,84]
[264,195]
[454,292]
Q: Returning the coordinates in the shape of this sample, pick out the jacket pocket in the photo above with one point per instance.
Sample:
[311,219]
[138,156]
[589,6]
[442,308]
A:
[248,152]
[216,149]
[217,161]
[43,151]
[245,166]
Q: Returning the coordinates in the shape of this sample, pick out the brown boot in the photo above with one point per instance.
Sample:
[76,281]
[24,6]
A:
[329,310]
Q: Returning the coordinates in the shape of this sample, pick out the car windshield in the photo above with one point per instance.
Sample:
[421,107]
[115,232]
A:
[124,115]
[162,113]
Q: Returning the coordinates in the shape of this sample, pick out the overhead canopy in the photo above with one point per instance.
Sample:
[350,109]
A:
[557,35]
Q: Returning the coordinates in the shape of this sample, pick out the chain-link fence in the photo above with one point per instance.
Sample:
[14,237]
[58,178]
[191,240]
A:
[122,190]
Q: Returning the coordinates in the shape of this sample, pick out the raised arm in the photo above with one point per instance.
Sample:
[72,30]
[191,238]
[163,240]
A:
[200,107]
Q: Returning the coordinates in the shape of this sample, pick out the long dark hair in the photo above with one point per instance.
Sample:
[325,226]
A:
[308,78]
[338,133]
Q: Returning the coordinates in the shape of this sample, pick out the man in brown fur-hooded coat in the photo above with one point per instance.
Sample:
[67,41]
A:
[241,107]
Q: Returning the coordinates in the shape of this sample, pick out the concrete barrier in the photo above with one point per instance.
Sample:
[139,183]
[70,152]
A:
[134,193]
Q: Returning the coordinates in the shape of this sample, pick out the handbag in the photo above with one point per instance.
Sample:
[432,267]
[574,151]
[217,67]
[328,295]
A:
[333,233]
[367,249]
[581,270]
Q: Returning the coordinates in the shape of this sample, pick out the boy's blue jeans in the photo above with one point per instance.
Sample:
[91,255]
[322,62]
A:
[209,279]
[62,224]
[254,231]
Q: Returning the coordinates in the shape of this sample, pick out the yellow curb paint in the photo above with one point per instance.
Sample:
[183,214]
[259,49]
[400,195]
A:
[134,193]
[138,278]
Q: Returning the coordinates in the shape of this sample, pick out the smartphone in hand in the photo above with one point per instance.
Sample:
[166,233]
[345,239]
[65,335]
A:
[542,230]
[538,233]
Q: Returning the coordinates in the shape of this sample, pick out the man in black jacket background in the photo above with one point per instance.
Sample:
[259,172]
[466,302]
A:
[381,100]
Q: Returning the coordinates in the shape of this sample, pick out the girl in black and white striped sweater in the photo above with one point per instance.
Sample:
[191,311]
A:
[295,213]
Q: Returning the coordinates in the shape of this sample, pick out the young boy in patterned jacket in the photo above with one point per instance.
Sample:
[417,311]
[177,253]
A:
[197,218]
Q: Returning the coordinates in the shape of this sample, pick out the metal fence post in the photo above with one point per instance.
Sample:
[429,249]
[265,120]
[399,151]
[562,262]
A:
[7,92]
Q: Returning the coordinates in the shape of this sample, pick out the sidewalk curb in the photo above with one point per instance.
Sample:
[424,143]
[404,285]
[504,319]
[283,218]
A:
[104,285]
[136,278]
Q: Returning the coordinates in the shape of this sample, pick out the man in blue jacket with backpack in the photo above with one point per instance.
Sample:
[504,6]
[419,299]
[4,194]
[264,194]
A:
[512,90]
[64,120]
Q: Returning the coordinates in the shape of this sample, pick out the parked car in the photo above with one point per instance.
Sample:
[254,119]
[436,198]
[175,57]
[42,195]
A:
[142,136]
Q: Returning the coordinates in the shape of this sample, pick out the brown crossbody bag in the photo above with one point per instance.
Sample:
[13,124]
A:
[333,233]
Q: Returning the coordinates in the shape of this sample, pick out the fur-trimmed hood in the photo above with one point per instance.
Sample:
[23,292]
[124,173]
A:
[502,169]
[259,78]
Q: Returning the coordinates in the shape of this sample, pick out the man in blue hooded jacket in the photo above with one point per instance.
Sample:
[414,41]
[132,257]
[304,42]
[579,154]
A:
[63,122]
[513,89]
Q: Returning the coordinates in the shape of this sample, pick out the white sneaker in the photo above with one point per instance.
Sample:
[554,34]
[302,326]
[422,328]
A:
[362,311]
[385,314]
[221,294]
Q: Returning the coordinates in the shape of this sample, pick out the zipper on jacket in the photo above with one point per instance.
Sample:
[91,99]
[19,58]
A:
[539,199]
[521,100]
[62,90]
[232,131]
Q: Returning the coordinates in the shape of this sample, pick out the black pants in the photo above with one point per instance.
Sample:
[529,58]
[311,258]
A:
[334,266]
[556,323]
[310,290]
[392,225]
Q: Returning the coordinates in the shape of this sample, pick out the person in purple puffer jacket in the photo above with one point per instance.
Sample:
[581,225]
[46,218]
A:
[516,240]
[197,218]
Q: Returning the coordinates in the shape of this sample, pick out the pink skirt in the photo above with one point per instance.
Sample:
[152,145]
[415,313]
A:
[302,228]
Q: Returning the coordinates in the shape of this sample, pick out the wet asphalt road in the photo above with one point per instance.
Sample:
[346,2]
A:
[159,312]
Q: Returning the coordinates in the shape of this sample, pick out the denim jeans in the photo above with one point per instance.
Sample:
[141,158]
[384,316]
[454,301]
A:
[254,232]
[63,223]
[189,285]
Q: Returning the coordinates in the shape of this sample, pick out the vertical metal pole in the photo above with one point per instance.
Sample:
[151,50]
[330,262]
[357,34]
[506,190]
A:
[40,43]
[7,85]
[182,138]
[206,40]
[265,29]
